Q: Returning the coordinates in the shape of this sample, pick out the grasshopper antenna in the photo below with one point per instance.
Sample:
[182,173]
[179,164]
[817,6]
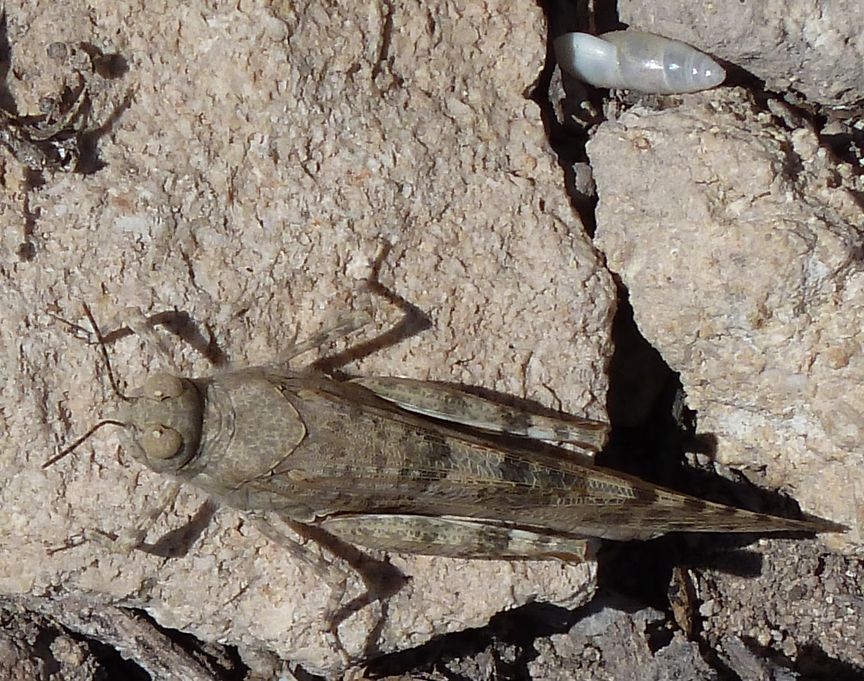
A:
[71,448]
[100,339]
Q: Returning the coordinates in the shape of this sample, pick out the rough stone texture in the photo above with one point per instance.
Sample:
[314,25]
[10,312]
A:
[799,616]
[33,648]
[815,48]
[778,609]
[615,643]
[740,244]
[264,152]
[130,644]
[805,609]
[741,642]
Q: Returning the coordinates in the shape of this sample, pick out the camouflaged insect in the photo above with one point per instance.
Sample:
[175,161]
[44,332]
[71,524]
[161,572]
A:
[405,465]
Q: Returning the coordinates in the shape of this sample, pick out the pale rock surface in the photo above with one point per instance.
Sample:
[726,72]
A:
[814,48]
[740,244]
[264,153]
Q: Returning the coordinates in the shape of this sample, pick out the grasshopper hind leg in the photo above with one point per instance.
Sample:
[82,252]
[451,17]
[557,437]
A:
[452,404]
[457,537]
[380,579]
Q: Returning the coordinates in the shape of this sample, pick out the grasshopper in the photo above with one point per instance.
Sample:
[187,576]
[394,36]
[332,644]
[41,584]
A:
[403,465]
[393,464]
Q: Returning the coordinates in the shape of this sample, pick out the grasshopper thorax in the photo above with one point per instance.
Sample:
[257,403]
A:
[164,420]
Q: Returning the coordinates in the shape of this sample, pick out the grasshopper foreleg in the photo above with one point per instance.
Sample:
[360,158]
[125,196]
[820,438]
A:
[129,538]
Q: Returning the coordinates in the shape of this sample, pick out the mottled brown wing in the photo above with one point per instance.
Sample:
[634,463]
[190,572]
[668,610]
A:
[363,455]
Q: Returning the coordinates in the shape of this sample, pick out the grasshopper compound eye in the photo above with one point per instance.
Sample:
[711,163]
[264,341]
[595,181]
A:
[165,415]
[161,386]
[160,442]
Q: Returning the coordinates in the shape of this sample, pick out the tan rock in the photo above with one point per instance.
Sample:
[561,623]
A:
[264,154]
[740,245]
[795,46]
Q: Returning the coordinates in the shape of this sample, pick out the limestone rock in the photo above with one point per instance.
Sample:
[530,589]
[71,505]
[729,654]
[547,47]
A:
[812,48]
[740,244]
[254,157]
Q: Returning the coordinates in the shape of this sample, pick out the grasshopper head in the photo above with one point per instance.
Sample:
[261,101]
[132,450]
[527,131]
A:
[164,418]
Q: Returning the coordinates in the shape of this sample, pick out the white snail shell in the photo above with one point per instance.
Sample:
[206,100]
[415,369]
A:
[635,60]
